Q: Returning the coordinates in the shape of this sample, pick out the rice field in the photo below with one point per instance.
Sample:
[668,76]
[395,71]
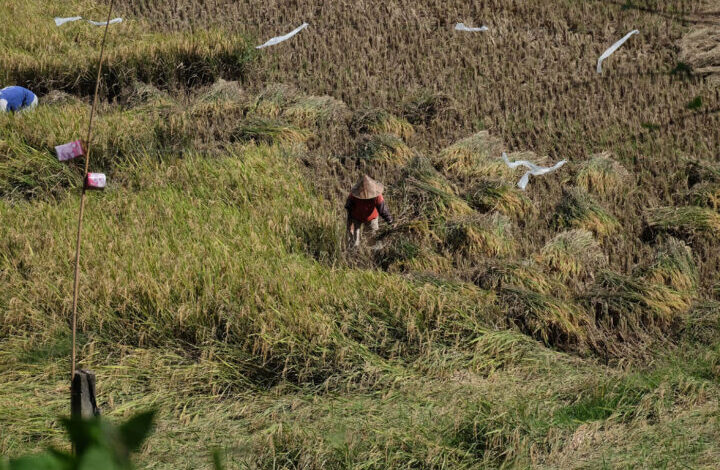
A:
[571,325]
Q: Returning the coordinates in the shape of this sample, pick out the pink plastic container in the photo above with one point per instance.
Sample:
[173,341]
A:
[95,181]
[69,151]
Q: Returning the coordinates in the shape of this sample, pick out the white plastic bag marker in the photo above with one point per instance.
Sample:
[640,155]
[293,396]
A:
[103,23]
[62,21]
[462,27]
[69,151]
[95,180]
[534,169]
[613,48]
[279,39]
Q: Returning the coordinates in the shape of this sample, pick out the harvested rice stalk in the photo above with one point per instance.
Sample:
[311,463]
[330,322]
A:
[579,210]
[546,318]
[700,49]
[479,237]
[705,195]
[270,131]
[602,175]
[631,306]
[475,156]
[378,121]
[524,275]
[273,100]
[311,111]
[673,266]
[684,220]
[574,256]
[385,148]
[502,197]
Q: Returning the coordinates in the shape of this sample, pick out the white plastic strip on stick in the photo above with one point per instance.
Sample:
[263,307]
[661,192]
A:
[613,48]
[279,39]
[462,27]
[534,170]
[62,21]
[103,23]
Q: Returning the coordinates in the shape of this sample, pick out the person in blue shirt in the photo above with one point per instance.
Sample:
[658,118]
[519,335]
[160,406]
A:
[17,98]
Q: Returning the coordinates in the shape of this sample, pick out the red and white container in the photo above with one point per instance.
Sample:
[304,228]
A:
[95,181]
[69,151]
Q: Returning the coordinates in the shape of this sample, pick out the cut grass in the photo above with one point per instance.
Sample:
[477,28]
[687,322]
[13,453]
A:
[579,210]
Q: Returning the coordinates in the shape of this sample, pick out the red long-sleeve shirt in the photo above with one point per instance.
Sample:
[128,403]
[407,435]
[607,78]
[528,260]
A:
[365,210]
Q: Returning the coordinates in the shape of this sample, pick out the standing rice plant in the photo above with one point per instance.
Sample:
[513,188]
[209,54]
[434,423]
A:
[481,237]
[684,221]
[507,199]
[574,256]
[603,176]
[578,209]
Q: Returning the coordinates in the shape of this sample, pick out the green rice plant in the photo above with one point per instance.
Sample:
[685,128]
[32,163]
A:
[429,194]
[705,195]
[546,318]
[603,176]
[223,91]
[490,195]
[684,220]
[577,209]
[473,157]
[631,306]
[480,237]
[143,94]
[27,173]
[573,256]
[385,149]
[378,121]
[673,265]
[314,111]
[269,132]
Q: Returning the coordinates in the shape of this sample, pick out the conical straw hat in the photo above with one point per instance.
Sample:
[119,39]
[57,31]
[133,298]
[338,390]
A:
[367,188]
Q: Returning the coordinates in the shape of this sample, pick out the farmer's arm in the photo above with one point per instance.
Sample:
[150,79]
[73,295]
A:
[383,210]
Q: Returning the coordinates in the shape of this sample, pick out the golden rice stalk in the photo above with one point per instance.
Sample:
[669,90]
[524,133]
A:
[313,111]
[684,220]
[490,195]
[546,318]
[700,49]
[274,100]
[579,210]
[378,121]
[602,175]
[476,156]
[525,275]
[479,237]
[224,91]
[385,148]
[573,255]
[673,266]
[630,305]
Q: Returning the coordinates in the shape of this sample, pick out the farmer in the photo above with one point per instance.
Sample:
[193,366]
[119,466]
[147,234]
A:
[363,206]
[17,98]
